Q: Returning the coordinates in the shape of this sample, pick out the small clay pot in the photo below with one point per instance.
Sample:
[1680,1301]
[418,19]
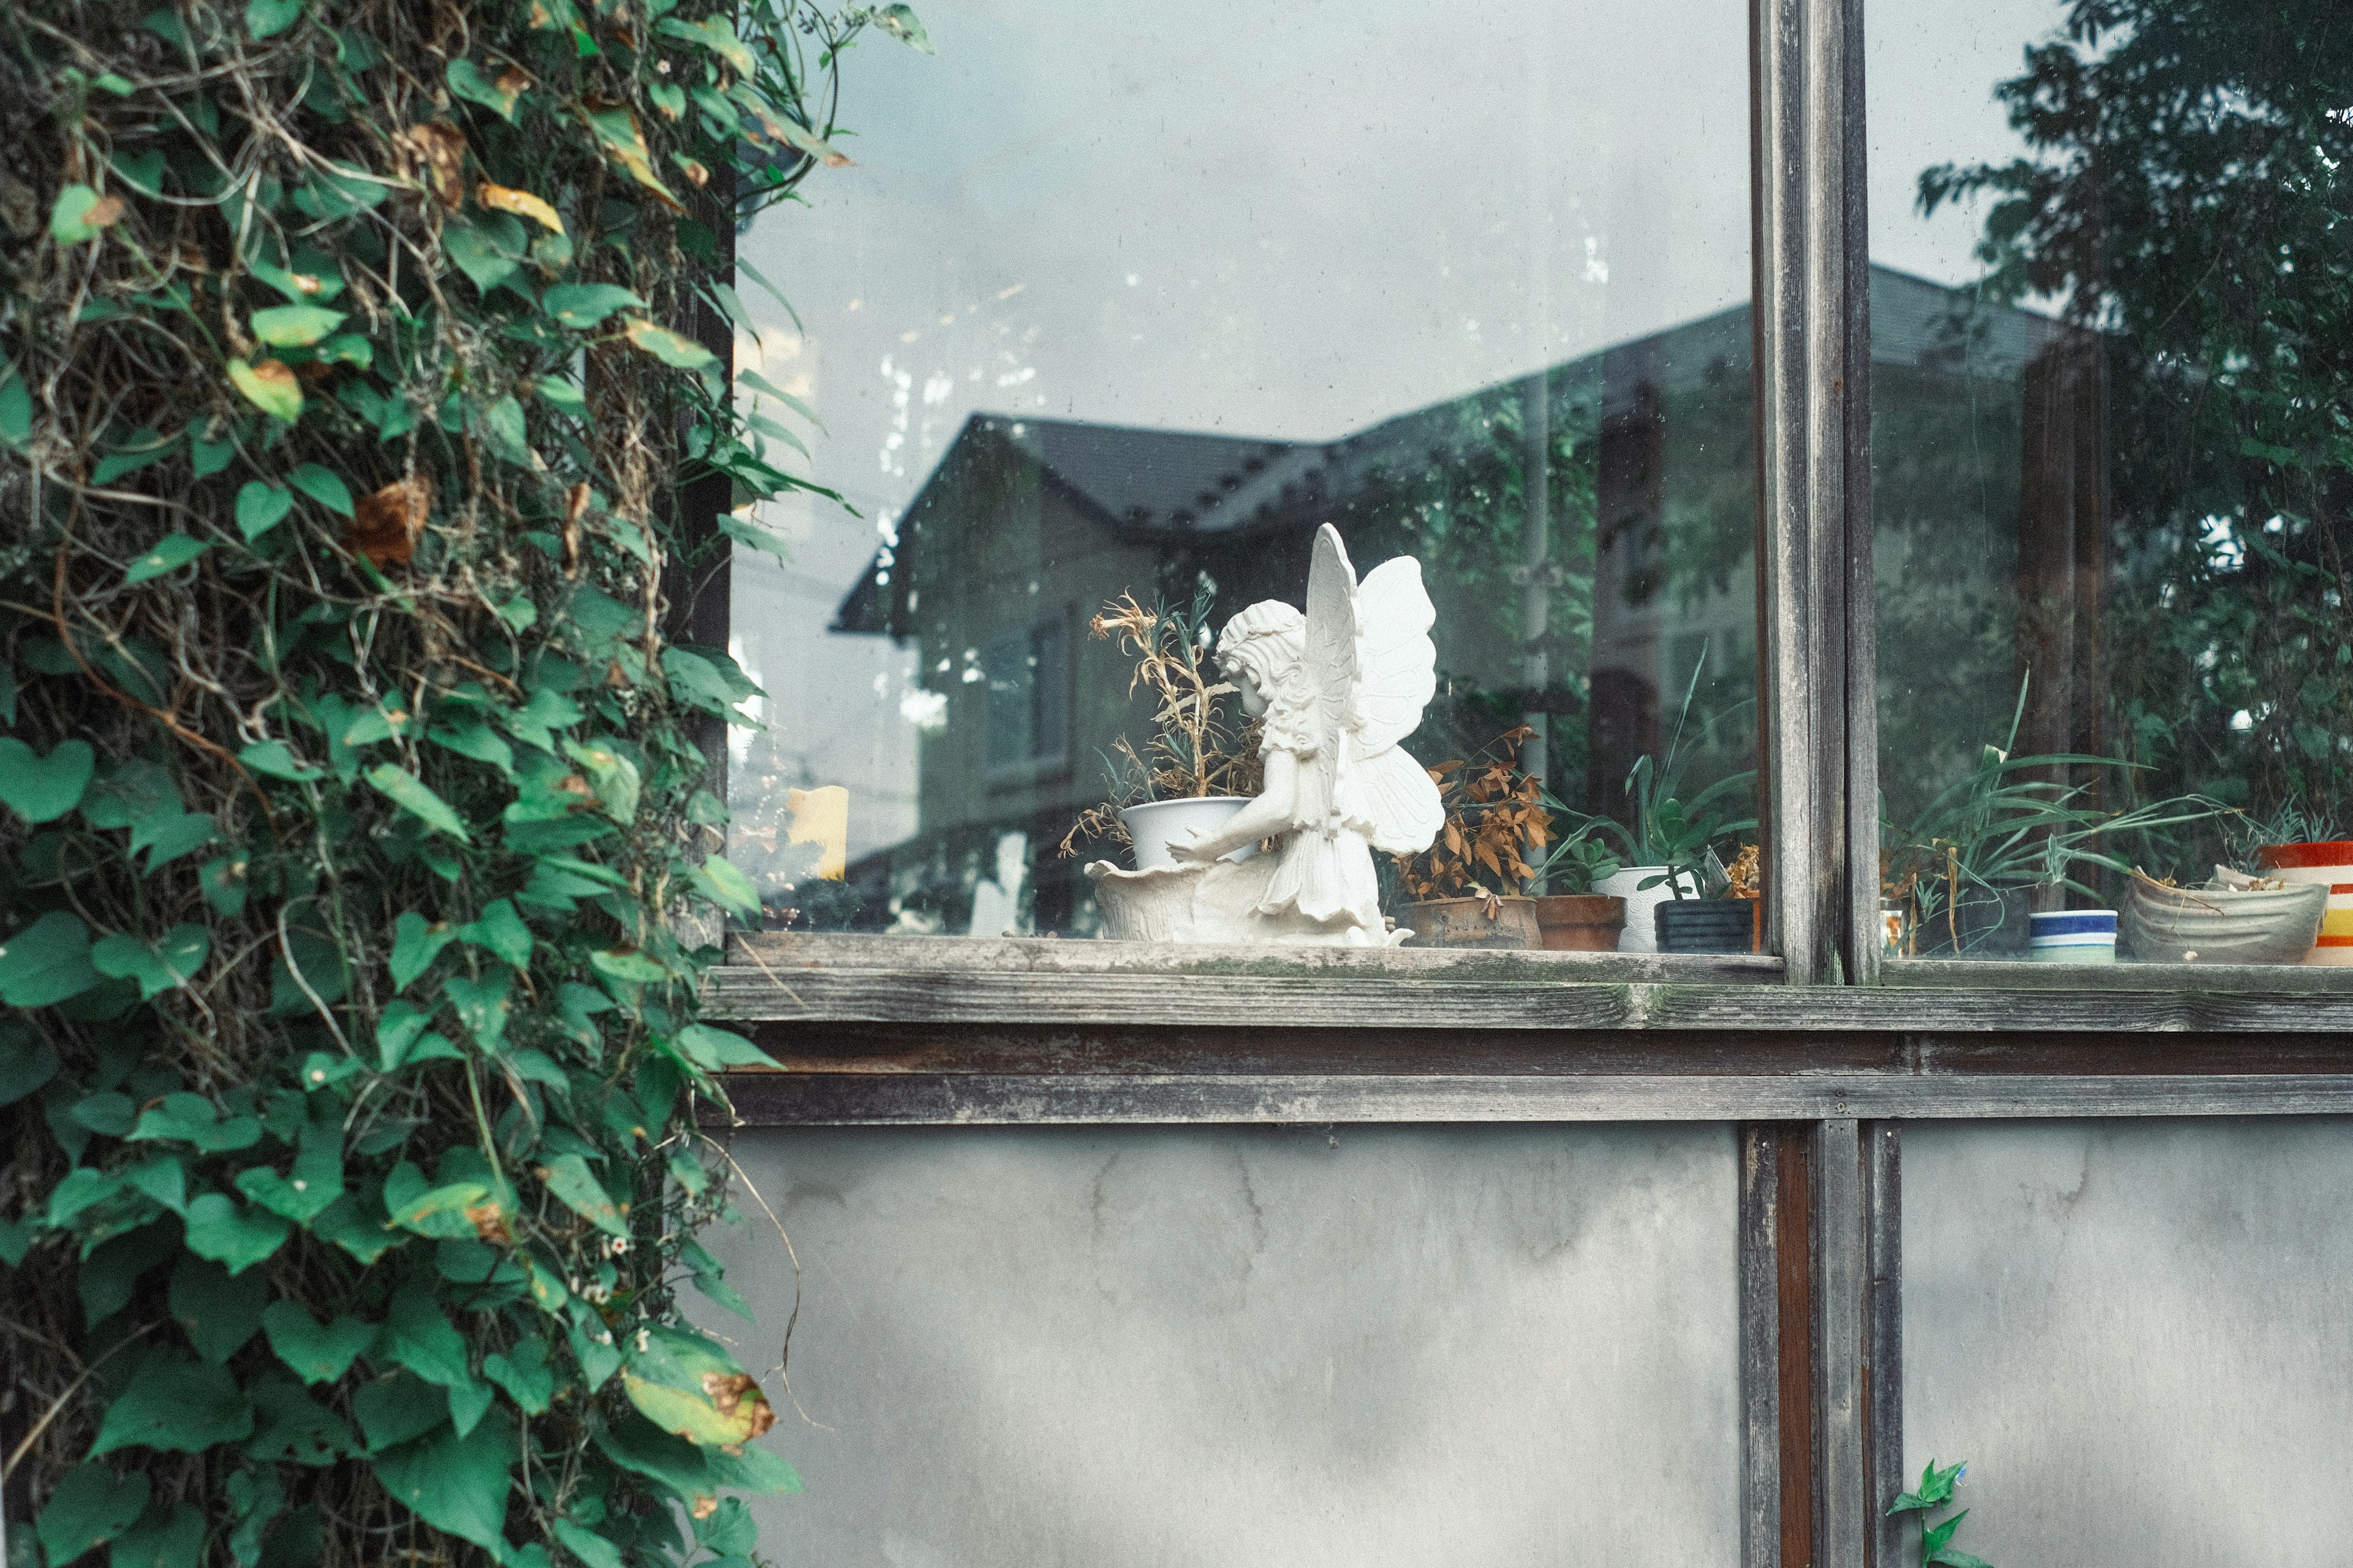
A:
[1706,925]
[1580,923]
[1472,923]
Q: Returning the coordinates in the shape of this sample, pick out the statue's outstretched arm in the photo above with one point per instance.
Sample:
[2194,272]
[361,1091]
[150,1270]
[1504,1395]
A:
[1273,812]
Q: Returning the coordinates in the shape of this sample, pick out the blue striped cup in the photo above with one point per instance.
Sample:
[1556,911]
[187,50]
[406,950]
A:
[2071,936]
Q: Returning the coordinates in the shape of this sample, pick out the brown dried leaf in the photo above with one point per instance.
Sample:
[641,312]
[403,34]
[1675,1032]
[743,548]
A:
[106,212]
[490,1224]
[728,1391]
[442,149]
[385,523]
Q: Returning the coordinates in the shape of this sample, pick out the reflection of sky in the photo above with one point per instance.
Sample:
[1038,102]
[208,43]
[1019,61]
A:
[1929,73]
[1288,221]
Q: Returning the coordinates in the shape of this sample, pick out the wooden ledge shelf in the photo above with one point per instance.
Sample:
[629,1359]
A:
[927,983]
[942,1031]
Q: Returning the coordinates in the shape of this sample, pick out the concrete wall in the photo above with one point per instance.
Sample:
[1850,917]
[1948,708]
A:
[2139,1335]
[1098,1347]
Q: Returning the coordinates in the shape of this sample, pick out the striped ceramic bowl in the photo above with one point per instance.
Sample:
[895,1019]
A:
[2327,863]
[2071,936]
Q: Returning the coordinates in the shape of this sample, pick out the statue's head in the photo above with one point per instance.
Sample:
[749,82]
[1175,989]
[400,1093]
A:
[1260,651]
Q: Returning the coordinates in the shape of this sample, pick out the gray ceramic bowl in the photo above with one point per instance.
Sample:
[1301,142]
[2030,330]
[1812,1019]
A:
[2205,925]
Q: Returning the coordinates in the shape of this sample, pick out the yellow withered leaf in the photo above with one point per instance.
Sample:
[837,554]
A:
[616,129]
[505,198]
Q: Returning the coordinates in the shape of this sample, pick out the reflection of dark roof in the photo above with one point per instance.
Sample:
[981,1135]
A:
[1144,478]
[1166,483]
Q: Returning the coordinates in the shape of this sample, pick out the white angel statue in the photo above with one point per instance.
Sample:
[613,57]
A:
[1339,687]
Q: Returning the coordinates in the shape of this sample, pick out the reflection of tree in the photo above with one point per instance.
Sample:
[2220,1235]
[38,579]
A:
[2186,195]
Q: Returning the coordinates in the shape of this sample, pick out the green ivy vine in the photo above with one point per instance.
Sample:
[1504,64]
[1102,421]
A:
[354,805]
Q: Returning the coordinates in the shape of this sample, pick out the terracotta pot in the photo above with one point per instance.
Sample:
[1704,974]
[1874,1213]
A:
[2332,865]
[1472,923]
[1580,923]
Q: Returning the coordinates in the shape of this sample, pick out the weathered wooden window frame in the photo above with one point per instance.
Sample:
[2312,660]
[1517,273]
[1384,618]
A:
[1818,1055]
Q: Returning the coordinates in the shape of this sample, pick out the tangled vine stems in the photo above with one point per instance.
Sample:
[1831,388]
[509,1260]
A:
[350,781]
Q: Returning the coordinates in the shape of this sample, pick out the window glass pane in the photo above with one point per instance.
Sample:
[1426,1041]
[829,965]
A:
[2091,1306]
[1201,1347]
[1128,302]
[2110,306]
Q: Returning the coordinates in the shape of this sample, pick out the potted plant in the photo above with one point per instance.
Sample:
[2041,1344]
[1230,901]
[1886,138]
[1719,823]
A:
[1716,915]
[1578,919]
[1992,849]
[1469,888]
[1663,826]
[2299,846]
[1200,767]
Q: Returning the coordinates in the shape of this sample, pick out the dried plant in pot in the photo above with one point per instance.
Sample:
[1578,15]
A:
[1200,765]
[1469,888]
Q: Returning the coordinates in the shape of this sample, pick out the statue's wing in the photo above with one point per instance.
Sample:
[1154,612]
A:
[1399,799]
[1397,664]
[1332,643]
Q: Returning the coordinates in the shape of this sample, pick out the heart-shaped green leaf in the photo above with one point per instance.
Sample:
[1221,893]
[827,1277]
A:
[173,1403]
[270,387]
[227,1233]
[322,486]
[295,326]
[576,1188]
[173,962]
[169,554]
[217,1309]
[187,1118]
[453,1483]
[90,1506]
[268,18]
[261,508]
[174,1540]
[46,962]
[409,792]
[581,306]
[39,788]
[278,761]
[317,1353]
[414,945]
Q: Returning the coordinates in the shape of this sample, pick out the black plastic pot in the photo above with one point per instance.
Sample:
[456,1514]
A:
[1705,926]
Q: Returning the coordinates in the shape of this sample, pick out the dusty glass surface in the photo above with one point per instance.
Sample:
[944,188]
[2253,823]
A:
[2136,1332]
[2112,353]
[1191,1348]
[1126,300]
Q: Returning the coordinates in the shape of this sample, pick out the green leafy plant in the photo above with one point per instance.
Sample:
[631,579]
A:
[1578,861]
[1934,1496]
[2293,821]
[2001,827]
[356,872]
[1669,831]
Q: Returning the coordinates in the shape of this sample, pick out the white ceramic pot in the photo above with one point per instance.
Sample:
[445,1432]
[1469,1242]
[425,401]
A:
[1157,823]
[1641,934]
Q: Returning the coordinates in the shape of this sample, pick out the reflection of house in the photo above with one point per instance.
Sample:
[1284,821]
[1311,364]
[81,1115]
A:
[1026,525]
